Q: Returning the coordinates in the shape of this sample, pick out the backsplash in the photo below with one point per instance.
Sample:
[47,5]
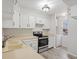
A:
[20,31]
[17,31]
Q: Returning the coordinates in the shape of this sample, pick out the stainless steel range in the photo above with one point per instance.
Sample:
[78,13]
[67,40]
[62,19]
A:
[42,41]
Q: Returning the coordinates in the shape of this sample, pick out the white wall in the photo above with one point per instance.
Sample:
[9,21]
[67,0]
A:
[72,36]
[74,10]
[70,41]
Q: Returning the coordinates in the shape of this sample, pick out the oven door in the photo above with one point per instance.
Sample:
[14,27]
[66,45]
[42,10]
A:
[42,42]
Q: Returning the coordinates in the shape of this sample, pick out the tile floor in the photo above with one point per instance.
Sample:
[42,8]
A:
[56,53]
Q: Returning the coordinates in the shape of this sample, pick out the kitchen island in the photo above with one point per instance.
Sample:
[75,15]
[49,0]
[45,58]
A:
[15,49]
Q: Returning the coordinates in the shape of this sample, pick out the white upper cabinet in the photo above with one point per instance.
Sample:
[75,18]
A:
[15,16]
[31,22]
[42,21]
[51,42]
[16,21]
[7,13]
[23,21]
[7,23]
[26,21]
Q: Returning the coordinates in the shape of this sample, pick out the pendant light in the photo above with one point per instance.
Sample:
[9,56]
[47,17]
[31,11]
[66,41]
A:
[45,8]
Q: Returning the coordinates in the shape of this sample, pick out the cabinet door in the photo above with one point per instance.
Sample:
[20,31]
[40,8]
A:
[27,21]
[31,22]
[58,40]
[35,45]
[7,13]
[51,42]
[16,17]
[7,23]
[23,21]
[16,20]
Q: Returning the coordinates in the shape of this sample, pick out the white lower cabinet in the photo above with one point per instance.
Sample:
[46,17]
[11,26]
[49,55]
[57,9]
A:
[35,45]
[58,40]
[31,42]
[55,41]
[51,42]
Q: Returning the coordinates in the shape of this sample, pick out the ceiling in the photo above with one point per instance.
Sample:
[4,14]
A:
[70,2]
[55,5]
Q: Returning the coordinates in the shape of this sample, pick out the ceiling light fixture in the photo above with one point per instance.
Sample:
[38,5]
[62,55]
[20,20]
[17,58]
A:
[45,8]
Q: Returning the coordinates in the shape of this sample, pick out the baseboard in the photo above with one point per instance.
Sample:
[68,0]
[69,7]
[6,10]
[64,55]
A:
[69,52]
[65,49]
[72,54]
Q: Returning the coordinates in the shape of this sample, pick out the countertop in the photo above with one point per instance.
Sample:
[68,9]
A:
[15,41]
[15,49]
[22,37]
[23,53]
